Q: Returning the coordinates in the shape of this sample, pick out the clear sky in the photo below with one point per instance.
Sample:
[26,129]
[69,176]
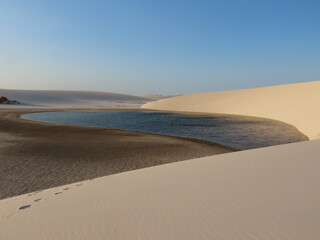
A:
[158,46]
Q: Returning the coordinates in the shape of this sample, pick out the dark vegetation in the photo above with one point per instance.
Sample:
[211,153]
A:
[5,100]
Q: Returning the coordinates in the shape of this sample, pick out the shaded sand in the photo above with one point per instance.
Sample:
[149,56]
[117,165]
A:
[269,193]
[295,104]
[72,98]
[39,155]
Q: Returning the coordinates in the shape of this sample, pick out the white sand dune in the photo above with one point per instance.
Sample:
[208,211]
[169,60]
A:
[262,194]
[269,193]
[72,98]
[296,104]
[153,97]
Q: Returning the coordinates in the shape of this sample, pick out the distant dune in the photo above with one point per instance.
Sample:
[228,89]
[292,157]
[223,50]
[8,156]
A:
[71,98]
[296,104]
[155,96]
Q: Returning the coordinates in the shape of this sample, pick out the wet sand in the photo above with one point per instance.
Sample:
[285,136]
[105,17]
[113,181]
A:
[35,156]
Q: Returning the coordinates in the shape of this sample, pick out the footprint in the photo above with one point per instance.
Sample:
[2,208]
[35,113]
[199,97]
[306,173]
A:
[65,189]
[24,207]
[37,200]
[10,215]
[57,193]
[79,184]
[34,193]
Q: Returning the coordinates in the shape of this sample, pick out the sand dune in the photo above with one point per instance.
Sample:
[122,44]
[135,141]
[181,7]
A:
[269,193]
[155,96]
[296,104]
[72,98]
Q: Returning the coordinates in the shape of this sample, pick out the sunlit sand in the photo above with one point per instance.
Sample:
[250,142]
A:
[267,193]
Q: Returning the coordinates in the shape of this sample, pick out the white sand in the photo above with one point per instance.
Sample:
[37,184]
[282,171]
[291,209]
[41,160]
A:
[154,97]
[269,193]
[296,104]
[72,98]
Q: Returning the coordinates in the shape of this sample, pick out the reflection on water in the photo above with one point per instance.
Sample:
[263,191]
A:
[238,132]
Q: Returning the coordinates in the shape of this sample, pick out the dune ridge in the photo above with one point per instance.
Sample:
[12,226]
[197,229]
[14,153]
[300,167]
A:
[52,98]
[295,104]
[153,97]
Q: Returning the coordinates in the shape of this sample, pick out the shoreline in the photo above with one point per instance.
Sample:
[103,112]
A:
[260,192]
[226,114]
[38,155]
[118,129]
[19,116]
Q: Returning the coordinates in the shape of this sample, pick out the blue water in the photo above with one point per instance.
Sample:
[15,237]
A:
[238,132]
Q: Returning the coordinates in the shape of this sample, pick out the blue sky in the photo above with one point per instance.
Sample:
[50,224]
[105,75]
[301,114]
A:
[158,46]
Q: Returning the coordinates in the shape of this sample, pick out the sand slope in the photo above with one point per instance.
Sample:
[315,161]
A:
[153,97]
[270,193]
[71,98]
[296,104]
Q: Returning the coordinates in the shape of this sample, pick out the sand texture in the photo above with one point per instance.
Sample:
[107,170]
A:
[36,155]
[261,194]
[269,193]
[295,104]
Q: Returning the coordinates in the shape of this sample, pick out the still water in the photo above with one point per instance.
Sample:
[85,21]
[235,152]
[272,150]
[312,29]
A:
[239,132]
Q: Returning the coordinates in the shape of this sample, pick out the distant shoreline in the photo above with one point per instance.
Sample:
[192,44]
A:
[36,155]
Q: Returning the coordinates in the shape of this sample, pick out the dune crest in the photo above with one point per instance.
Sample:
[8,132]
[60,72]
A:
[72,98]
[154,97]
[295,104]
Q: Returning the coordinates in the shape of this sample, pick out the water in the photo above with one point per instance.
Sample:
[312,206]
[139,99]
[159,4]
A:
[239,132]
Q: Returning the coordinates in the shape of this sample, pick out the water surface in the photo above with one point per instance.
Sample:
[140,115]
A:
[239,132]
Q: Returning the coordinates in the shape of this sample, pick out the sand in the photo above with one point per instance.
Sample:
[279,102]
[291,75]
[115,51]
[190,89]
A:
[295,104]
[269,193]
[72,99]
[37,155]
[261,194]
[155,97]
